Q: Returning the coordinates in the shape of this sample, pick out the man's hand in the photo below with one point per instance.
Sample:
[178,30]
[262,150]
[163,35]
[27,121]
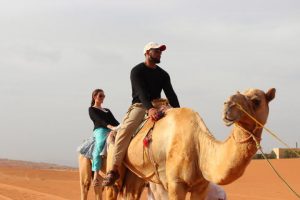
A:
[153,114]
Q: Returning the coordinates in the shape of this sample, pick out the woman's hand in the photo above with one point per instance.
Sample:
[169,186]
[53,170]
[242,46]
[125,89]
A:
[110,127]
[111,137]
[113,128]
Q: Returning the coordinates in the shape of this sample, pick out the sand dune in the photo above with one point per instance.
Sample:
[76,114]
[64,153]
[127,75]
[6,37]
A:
[31,181]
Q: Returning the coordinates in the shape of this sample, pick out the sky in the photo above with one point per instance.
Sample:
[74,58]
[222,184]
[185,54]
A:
[54,53]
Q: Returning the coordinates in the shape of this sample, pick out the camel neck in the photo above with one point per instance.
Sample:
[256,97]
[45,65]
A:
[224,162]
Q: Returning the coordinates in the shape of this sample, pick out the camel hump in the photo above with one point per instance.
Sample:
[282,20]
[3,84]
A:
[188,118]
[179,115]
[179,112]
[173,117]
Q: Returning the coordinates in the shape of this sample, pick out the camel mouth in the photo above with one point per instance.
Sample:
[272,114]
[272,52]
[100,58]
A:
[228,122]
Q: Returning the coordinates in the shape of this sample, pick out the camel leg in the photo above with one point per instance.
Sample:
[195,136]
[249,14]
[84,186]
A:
[177,191]
[111,193]
[85,175]
[133,186]
[98,190]
[199,192]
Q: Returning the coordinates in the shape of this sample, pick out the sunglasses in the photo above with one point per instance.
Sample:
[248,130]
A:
[102,95]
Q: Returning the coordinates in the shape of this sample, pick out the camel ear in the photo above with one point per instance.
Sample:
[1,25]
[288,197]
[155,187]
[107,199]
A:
[270,95]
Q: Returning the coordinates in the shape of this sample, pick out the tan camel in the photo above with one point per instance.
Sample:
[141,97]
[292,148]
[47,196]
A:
[184,156]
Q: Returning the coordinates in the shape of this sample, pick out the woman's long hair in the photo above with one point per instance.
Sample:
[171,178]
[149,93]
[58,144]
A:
[95,92]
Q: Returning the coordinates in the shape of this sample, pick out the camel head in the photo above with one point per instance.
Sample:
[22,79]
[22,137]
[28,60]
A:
[253,101]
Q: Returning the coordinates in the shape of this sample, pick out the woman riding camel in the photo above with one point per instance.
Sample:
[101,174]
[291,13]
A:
[104,122]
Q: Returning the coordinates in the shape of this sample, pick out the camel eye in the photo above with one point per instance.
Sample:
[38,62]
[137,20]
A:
[256,102]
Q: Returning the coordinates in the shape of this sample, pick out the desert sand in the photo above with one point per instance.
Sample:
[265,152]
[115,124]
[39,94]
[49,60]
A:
[30,181]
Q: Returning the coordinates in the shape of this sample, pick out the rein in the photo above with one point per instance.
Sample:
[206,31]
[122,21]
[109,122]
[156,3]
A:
[262,126]
[251,135]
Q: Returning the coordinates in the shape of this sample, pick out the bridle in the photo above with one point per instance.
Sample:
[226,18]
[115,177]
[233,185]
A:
[251,135]
[258,127]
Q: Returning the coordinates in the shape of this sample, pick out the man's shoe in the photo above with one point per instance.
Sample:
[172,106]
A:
[110,178]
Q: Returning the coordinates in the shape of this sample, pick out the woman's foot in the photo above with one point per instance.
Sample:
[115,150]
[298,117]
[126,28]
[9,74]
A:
[96,182]
[96,179]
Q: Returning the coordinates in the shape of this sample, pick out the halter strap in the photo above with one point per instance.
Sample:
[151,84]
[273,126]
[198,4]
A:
[251,135]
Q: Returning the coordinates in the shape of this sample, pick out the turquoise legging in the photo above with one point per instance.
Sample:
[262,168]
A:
[100,135]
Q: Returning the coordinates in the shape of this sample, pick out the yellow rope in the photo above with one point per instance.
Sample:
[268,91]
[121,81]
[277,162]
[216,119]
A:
[276,172]
[265,157]
[268,130]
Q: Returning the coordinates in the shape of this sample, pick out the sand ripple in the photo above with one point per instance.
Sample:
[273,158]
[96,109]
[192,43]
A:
[14,192]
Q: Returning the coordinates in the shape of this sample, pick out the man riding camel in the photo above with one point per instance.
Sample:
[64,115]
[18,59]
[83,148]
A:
[147,82]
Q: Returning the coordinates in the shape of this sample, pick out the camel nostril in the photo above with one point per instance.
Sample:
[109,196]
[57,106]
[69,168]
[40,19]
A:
[227,112]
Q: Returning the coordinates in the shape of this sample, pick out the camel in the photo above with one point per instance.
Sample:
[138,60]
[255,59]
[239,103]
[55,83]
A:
[183,156]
